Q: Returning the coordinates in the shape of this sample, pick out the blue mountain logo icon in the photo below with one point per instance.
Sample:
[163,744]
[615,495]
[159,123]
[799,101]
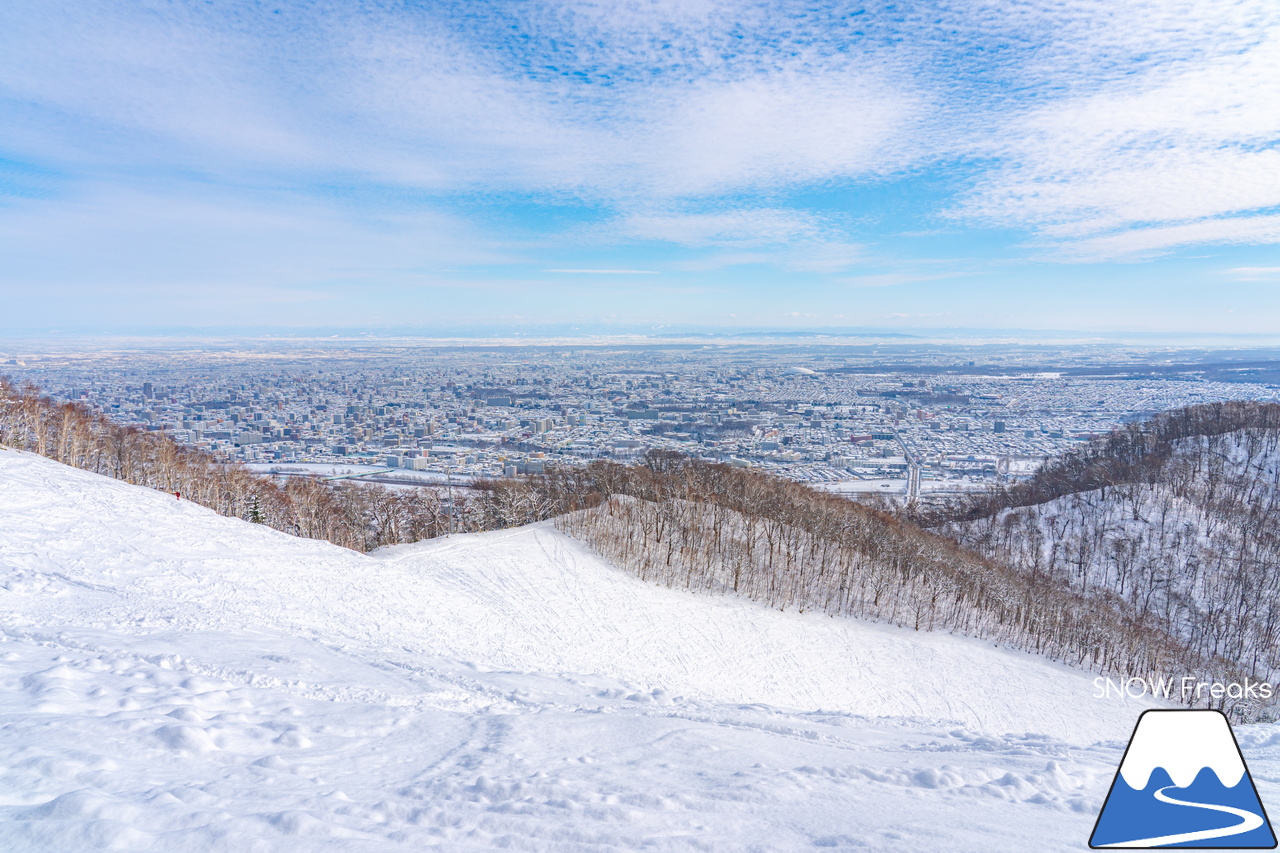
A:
[1183,783]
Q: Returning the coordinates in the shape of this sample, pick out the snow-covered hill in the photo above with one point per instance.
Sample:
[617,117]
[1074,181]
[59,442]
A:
[173,680]
[1194,544]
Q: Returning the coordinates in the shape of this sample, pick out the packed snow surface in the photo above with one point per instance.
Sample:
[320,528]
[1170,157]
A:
[171,680]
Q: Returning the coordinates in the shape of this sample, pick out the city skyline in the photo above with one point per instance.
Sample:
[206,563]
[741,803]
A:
[1100,167]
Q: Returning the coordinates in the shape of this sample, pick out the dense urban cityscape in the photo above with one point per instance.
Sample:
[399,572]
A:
[897,420]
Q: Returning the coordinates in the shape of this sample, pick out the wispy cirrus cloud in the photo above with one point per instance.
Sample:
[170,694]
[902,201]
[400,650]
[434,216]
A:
[1090,103]
[1178,151]
[1254,273]
[798,137]
[1136,244]
[650,102]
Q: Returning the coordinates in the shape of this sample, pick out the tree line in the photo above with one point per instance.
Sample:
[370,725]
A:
[1136,452]
[1187,533]
[360,516]
[711,527]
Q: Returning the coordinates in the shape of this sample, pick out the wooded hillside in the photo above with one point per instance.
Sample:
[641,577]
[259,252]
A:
[1184,526]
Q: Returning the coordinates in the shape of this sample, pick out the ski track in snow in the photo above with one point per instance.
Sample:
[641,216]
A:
[171,680]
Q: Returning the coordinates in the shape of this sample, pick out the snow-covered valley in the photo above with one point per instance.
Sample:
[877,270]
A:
[172,680]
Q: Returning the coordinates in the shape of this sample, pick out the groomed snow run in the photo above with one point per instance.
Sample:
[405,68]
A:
[171,680]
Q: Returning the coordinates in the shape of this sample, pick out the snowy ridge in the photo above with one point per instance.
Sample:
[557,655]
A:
[172,680]
[528,599]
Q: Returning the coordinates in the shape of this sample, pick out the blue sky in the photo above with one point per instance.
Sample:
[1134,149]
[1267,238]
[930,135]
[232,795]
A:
[1110,165]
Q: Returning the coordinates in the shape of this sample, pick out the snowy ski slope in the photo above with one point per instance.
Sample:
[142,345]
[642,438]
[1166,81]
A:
[172,680]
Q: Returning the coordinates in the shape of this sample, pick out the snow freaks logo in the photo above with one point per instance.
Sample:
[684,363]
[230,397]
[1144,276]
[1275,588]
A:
[1183,783]
[1191,690]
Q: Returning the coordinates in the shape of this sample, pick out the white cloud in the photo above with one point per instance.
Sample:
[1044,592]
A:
[1255,273]
[1141,243]
[634,100]
[792,127]
[1147,161]
[1108,128]
[93,82]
